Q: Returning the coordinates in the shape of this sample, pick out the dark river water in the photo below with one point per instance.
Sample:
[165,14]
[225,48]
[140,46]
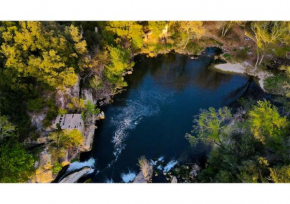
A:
[153,115]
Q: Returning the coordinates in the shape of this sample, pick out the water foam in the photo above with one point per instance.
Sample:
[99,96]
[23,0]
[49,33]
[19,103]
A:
[128,177]
[158,160]
[127,118]
[170,165]
[78,165]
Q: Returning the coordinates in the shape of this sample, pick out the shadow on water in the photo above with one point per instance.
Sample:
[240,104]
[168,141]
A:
[155,112]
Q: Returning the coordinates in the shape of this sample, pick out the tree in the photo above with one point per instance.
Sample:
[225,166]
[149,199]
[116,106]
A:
[6,128]
[266,124]
[90,110]
[16,164]
[42,50]
[210,125]
[118,64]
[80,45]
[157,27]
[227,25]
[265,34]
[190,30]
[61,140]
[130,29]
[280,174]
[76,104]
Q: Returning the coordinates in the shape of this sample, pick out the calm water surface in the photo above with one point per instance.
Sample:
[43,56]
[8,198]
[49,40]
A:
[152,116]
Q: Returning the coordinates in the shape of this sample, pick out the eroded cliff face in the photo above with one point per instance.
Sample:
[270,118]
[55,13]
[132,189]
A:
[44,165]
[87,95]
[62,96]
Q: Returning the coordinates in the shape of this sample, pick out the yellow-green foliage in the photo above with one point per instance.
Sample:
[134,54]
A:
[61,140]
[76,104]
[266,123]
[209,125]
[6,128]
[130,29]
[156,27]
[189,30]
[280,174]
[42,50]
[118,64]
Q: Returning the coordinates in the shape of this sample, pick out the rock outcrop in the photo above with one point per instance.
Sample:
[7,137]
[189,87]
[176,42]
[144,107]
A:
[140,178]
[75,176]
[90,127]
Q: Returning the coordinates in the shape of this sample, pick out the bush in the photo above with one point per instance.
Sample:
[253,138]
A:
[56,168]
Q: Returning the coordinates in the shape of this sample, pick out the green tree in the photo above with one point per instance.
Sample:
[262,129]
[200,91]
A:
[209,125]
[61,140]
[6,128]
[119,63]
[267,125]
[90,110]
[16,164]
[266,34]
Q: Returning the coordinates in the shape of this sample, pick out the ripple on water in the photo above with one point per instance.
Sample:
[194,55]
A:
[127,118]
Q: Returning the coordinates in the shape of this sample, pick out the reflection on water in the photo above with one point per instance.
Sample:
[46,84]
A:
[152,116]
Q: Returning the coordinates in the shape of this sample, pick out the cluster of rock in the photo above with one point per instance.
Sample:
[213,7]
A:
[143,177]
[44,166]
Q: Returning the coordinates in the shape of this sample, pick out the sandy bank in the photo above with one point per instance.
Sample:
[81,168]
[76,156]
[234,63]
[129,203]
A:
[245,69]
[229,67]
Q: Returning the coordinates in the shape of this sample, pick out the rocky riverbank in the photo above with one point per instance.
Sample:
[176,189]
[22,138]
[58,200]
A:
[44,172]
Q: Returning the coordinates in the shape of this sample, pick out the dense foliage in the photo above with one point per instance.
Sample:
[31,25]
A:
[253,144]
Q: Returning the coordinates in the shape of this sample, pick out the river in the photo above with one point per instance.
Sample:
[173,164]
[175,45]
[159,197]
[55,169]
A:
[152,116]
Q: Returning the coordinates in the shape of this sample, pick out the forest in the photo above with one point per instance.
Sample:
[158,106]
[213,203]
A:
[41,60]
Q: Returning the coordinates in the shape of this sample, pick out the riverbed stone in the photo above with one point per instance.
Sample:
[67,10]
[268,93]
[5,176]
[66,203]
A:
[174,179]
